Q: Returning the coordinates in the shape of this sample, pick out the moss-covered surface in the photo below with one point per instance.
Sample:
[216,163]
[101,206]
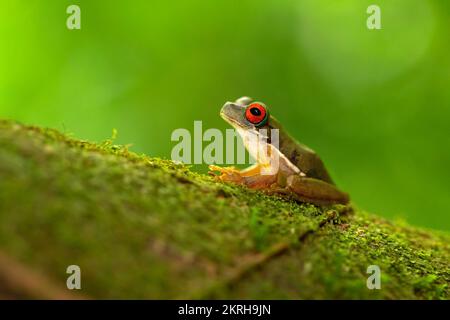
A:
[141,227]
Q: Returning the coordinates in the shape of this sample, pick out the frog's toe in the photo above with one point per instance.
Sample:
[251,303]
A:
[275,188]
[213,168]
[225,174]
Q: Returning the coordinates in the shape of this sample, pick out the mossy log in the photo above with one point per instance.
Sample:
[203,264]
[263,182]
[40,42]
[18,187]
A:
[142,227]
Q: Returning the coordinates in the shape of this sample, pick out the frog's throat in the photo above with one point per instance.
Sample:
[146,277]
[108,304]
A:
[250,139]
[265,153]
[235,124]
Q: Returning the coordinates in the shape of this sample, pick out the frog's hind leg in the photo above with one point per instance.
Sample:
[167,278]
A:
[315,191]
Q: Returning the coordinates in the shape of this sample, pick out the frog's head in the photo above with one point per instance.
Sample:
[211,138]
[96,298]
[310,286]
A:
[249,118]
[245,114]
[254,124]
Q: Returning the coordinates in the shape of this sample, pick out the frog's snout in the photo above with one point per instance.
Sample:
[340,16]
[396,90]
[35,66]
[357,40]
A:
[228,108]
[226,105]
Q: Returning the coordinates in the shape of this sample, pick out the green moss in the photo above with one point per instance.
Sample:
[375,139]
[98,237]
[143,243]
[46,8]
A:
[258,230]
[143,227]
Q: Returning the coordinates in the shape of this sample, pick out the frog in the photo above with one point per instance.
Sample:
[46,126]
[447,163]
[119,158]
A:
[299,173]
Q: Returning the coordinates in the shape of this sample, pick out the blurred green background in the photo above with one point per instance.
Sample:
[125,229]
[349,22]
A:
[375,104]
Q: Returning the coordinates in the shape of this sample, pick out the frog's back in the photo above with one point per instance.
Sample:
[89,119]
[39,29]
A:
[300,155]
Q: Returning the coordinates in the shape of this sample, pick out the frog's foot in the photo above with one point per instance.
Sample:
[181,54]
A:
[249,176]
[275,189]
[229,174]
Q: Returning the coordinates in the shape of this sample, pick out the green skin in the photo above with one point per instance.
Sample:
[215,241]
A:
[301,173]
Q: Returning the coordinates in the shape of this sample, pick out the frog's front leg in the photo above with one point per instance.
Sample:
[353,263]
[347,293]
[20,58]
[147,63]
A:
[250,176]
[315,191]
[230,174]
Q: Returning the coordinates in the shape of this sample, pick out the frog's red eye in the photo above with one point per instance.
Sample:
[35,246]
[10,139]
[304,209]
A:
[256,113]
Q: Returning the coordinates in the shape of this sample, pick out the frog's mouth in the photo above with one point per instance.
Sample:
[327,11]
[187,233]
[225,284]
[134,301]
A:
[234,123]
[243,131]
[233,114]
